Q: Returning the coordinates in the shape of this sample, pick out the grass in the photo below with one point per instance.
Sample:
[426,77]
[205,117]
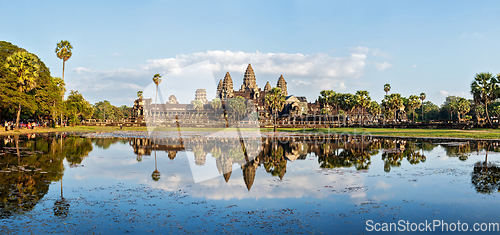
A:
[474,133]
[448,133]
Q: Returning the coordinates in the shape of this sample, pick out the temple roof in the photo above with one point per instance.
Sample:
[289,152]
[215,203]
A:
[268,87]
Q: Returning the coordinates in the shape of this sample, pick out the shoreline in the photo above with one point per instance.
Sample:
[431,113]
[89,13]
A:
[450,134]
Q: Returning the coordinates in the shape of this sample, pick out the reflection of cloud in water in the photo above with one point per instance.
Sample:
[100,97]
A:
[294,186]
[382,185]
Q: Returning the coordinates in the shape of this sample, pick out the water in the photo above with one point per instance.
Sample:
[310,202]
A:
[208,184]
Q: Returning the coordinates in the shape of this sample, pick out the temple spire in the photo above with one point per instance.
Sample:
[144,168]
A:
[249,82]
[282,85]
[268,87]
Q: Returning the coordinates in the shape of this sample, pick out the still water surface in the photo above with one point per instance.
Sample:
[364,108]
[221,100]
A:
[125,183]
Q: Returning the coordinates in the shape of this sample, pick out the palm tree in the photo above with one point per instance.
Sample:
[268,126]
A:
[216,104]
[463,107]
[198,105]
[485,89]
[422,98]
[374,108]
[139,94]
[363,101]
[387,88]
[413,103]
[63,52]
[25,66]
[276,101]
[157,81]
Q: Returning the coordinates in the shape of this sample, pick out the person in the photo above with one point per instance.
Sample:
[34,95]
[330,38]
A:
[121,126]
[6,126]
[28,125]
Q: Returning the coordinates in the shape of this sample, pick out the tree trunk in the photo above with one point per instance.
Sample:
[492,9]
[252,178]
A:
[64,63]
[18,117]
[487,115]
[275,121]
[422,113]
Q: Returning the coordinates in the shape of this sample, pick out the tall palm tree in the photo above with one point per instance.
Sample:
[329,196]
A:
[139,94]
[276,101]
[25,66]
[63,52]
[387,88]
[422,98]
[363,101]
[413,103]
[485,89]
[157,81]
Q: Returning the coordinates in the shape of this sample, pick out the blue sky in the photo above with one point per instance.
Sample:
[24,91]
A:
[434,47]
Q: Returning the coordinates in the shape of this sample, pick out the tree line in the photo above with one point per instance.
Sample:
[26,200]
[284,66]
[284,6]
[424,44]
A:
[485,103]
[28,91]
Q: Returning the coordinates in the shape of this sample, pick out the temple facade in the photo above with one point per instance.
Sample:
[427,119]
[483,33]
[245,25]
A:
[249,90]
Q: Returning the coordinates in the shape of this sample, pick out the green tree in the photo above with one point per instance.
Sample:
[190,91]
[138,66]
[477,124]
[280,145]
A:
[139,94]
[216,104]
[413,103]
[362,102]
[391,103]
[276,101]
[237,105]
[479,111]
[25,66]
[374,108]
[103,109]
[463,107]
[198,105]
[387,88]
[77,106]
[422,98]
[63,52]
[485,89]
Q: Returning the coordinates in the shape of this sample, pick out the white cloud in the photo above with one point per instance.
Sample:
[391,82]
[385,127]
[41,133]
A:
[361,50]
[444,93]
[80,70]
[379,53]
[117,54]
[382,66]
[414,66]
[472,35]
[299,82]
[306,74]
[316,65]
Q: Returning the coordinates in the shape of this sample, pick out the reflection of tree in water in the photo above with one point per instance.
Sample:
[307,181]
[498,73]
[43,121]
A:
[392,159]
[460,150]
[200,155]
[29,174]
[76,149]
[486,177]
[105,143]
[357,154]
[275,163]
[412,154]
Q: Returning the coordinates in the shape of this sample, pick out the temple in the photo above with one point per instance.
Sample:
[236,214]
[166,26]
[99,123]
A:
[296,111]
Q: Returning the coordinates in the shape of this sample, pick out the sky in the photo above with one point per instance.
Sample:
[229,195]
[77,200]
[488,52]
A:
[435,47]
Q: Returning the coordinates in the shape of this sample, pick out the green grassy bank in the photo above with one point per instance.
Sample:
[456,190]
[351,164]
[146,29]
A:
[475,133]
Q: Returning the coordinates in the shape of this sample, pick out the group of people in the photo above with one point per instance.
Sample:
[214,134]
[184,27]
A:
[29,125]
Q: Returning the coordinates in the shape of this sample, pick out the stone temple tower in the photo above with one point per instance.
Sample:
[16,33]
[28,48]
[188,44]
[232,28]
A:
[268,87]
[282,85]
[201,95]
[249,83]
[225,87]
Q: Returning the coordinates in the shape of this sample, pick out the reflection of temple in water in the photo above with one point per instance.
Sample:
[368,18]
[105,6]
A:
[273,154]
